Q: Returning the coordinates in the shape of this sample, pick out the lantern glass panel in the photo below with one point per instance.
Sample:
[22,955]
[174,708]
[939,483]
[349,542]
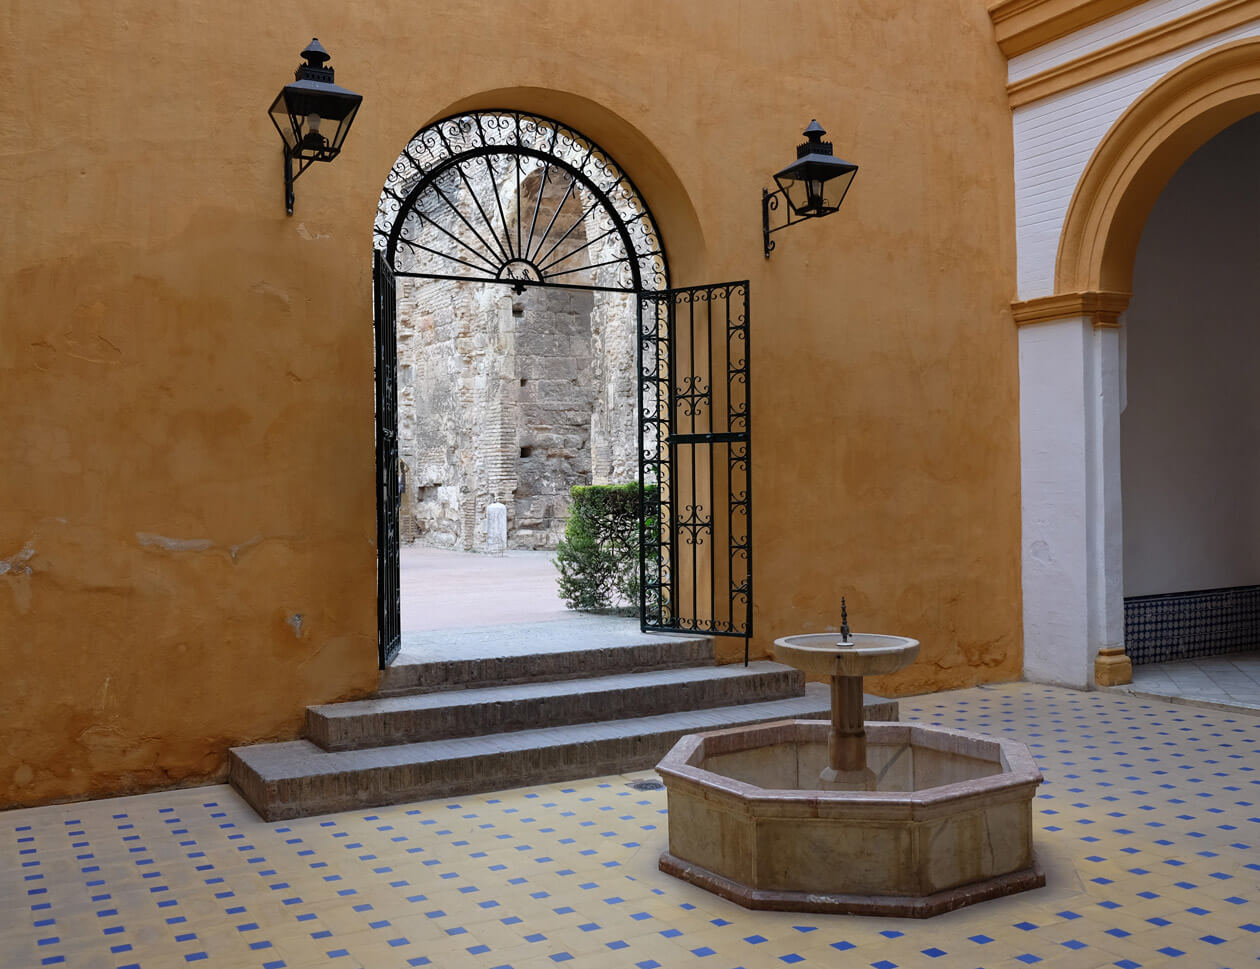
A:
[834,191]
[284,123]
[795,191]
[814,189]
[332,108]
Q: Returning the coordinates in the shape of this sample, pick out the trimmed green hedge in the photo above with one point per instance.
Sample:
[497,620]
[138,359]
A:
[598,557]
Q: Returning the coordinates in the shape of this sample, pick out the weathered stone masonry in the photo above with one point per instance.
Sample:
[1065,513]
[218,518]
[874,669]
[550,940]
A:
[513,399]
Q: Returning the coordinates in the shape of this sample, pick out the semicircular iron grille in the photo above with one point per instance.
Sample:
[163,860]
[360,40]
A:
[508,197]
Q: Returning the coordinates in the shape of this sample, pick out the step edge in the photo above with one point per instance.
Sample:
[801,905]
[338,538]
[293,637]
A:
[467,697]
[694,653]
[451,722]
[813,700]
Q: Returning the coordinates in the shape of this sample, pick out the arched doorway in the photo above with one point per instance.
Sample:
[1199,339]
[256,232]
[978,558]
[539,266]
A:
[1190,410]
[1071,358]
[522,202]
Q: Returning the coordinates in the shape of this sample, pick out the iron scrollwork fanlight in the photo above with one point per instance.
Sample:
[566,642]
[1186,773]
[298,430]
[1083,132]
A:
[814,185]
[312,115]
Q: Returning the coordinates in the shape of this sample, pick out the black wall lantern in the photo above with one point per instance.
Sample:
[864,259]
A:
[312,115]
[814,185]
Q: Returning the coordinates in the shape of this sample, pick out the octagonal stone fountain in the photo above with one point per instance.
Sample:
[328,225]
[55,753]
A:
[863,818]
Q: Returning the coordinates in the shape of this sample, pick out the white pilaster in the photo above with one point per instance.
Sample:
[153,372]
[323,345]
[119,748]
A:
[1070,467]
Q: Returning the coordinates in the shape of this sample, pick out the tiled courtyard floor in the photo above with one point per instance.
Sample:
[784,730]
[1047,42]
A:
[1148,827]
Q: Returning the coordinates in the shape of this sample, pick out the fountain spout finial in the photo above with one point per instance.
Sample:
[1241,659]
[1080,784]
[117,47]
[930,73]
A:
[845,635]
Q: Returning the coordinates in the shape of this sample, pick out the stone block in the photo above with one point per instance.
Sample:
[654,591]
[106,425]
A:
[1112,667]
[496,528]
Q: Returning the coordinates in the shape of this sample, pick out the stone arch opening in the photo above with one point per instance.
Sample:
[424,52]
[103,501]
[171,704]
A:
[695,569]
[519,249]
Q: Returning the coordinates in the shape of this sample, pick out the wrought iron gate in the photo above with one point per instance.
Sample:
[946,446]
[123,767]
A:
[388,480]
[693,422]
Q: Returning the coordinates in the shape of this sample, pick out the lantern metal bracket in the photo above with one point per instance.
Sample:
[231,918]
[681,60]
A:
[291,176]
[770,203]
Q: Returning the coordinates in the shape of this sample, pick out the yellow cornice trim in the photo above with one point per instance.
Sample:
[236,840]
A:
[1024,25]
[1195,26]
[1101,309]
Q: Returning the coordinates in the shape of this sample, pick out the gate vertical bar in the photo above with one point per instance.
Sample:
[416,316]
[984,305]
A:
[388,474]
[711,489]
[649,463]
[655,409]
[695,516]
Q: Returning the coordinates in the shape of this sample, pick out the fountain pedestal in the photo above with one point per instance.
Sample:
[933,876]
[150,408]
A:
[847,660]
[846,768]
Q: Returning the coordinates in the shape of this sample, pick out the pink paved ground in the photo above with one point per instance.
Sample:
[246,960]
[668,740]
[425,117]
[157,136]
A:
[442,588]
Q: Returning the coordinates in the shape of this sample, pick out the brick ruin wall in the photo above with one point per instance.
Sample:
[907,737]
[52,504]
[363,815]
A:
[511,398]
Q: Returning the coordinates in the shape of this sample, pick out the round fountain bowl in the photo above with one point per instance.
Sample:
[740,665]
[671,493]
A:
[872,654]
[949,823]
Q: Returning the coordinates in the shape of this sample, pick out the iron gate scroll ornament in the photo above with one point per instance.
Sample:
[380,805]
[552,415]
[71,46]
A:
[517,199]
[468,199]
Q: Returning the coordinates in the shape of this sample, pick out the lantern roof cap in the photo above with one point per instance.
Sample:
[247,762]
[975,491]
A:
[815,158]
[316,54]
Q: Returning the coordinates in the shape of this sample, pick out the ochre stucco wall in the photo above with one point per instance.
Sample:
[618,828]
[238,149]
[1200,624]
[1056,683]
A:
[186,373]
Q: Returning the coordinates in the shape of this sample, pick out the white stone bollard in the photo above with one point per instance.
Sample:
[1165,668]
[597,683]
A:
[496,528]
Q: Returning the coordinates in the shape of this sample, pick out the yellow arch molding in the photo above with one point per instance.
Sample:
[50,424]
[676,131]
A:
[1138,156]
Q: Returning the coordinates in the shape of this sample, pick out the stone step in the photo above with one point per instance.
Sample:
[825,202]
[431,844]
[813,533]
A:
[647,651]
[298,779]
[464,713]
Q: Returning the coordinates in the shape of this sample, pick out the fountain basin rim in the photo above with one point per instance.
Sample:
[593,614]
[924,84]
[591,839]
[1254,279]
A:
[872,654]
[827,642]
[1018,776]
[844,903]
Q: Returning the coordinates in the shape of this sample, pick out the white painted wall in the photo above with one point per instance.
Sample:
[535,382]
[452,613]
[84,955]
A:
[1054,489]
[1190,435]
[1096,36]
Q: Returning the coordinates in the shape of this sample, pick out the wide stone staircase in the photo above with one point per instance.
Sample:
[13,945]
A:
[467,711]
